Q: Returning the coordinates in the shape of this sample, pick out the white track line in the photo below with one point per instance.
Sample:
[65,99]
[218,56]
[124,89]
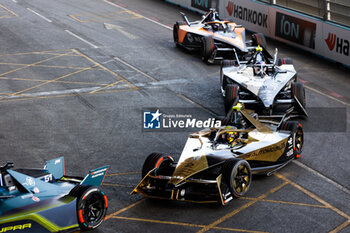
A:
[134,68]
[339,186]
[324,94]
[146,18]
[43,17]
[78,37]
[15,1]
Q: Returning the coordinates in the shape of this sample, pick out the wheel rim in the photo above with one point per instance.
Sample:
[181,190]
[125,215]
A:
[241,179]
[93,210]
[299,138]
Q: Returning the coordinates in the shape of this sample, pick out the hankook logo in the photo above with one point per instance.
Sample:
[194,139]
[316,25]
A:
[341,45]
[248,15]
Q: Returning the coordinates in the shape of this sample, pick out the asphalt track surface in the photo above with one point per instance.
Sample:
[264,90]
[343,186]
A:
[76,74]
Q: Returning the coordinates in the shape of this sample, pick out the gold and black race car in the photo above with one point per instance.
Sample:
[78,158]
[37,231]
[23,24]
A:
[216,39]
[216,164]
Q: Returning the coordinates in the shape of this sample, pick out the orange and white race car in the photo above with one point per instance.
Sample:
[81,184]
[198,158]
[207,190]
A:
[216,39]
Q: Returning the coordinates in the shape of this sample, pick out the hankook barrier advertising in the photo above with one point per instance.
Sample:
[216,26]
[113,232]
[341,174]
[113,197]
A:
[323,38]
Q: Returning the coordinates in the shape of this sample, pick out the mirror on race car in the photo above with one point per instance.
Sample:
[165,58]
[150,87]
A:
[275,57]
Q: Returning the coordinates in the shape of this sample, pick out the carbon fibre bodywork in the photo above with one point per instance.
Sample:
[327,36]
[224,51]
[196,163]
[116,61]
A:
[266,92]
[43,200]
[200,176]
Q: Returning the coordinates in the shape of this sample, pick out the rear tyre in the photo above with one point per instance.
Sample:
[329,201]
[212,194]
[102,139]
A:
[207,48]
[238,176]
[231,96]
[259,39]
[298,91]
[284,61]
[297,135]
[92,206]
[161,162]
[223,82]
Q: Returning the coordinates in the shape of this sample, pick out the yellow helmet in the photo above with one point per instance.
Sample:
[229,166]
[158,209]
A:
[237,107]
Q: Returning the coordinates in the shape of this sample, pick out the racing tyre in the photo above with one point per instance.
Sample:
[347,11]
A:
[284,61]
[297,135]
[223,82]
[161,162]
[238,176]
[92,206]
[231,96]
[207,48]
[176,32]
[298,91]
[259,39]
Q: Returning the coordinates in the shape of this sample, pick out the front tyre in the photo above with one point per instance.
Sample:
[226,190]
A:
[176,32]
[162,164]
[259,39]
[207,48]
[92,207]
[238,176]
[298,92]
[231,96]
[223,82]
[297,132]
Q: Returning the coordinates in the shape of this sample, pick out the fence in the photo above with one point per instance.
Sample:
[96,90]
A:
[337,11]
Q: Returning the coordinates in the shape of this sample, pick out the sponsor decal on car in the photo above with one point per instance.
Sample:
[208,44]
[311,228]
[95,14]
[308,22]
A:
[289,153]
[295,29]
[98,173]
[16,227]
[36,199]
[29,182]
[341,45]
[246,14]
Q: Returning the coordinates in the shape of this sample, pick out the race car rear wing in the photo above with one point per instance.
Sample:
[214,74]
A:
[96,176]
[56,167]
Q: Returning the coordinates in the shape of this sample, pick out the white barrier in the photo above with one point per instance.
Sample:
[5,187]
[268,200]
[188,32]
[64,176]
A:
[323,38]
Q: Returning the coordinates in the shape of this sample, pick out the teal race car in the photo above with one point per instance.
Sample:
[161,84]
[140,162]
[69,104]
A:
[46,200]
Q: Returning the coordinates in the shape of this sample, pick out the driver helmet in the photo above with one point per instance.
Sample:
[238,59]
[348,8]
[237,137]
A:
[231,137]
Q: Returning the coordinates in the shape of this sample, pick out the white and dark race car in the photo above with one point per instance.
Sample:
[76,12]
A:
[216,164]
[263,83]
[215,39]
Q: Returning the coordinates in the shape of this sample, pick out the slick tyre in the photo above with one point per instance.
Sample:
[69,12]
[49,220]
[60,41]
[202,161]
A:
[259,39]
[238,176]
[284,61]
[92,206]
[207,48]
[297,135]
[161,162]
[223,81]
[298,92]
[231,96]
[176,32]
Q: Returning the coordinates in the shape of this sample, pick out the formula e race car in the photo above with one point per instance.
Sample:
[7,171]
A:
[215,38]
[46,200]
[216,164]
[265,84]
